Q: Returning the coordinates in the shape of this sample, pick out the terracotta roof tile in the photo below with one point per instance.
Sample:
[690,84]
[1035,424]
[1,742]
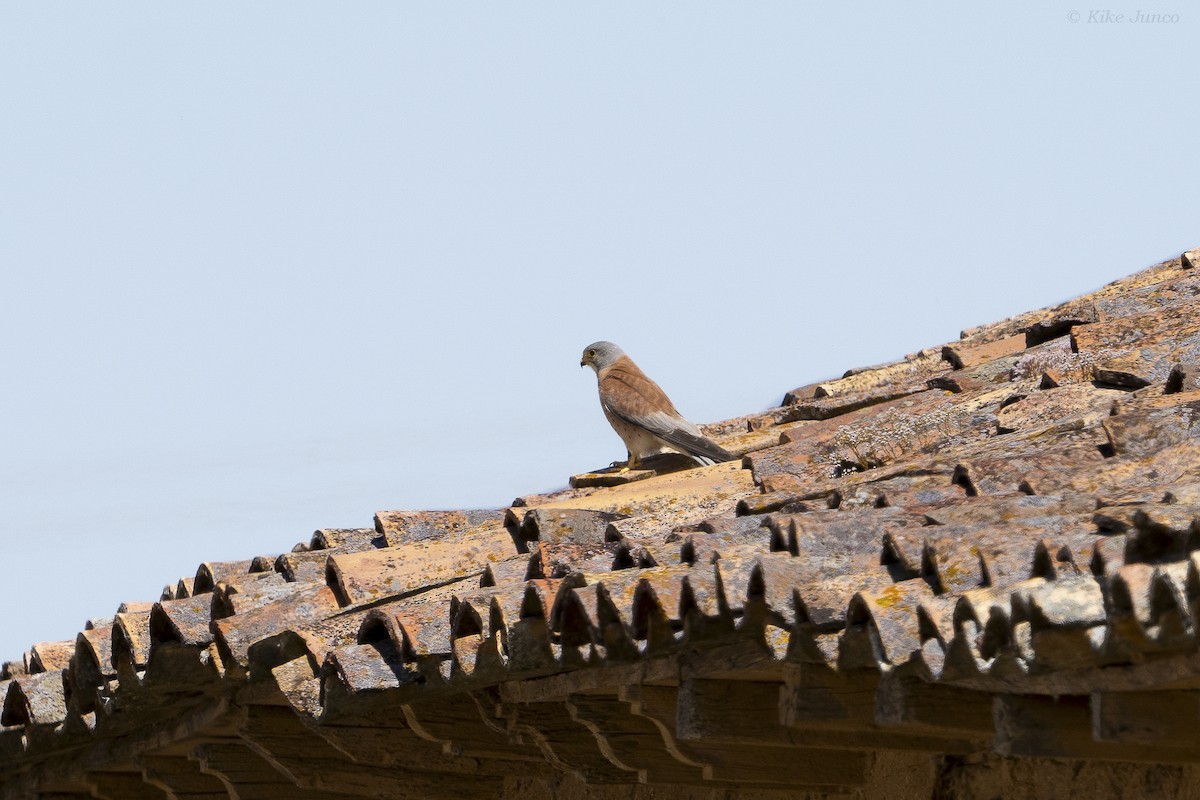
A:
[209,574]
[303,567]
[554,525]
[35,700]
[402,527]
[187,621]
[374,574]
[131,639]
[1142,349]
[305,608]
[985,524]
[1081,308]
[347,540]
[50,656]
[964,355]
[249,591]
[705,548]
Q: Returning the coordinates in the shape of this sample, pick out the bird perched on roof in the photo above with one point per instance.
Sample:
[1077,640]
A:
[641,413]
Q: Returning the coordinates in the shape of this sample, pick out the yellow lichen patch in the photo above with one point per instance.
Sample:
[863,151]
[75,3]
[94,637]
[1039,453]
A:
[889,597]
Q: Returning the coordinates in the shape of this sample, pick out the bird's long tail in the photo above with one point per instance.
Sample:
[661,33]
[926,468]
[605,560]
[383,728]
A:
[701,448]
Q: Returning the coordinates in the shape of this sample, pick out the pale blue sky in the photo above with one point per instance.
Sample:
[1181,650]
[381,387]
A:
[271,267]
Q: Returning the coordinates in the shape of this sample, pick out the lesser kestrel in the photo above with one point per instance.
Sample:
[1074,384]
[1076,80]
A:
[641,413]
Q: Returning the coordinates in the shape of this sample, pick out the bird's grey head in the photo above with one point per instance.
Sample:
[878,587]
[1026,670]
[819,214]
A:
[599,355]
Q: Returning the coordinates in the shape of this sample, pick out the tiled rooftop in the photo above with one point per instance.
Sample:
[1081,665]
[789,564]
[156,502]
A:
[973,570]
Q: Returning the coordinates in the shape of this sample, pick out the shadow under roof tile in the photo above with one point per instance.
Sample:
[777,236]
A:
[1015,325]
[1170,608]
[747,578]
[951,566]
[635,553]
[529,646]
[703,591]
[1062,320]
[1067,620]
[1161,533]
[822,599]
[783,500]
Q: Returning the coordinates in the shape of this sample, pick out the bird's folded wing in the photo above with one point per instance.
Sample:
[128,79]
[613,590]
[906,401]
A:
[626,390]
[627,393]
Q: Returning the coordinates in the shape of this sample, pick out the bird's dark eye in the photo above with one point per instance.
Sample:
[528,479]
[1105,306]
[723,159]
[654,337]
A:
[591,353]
